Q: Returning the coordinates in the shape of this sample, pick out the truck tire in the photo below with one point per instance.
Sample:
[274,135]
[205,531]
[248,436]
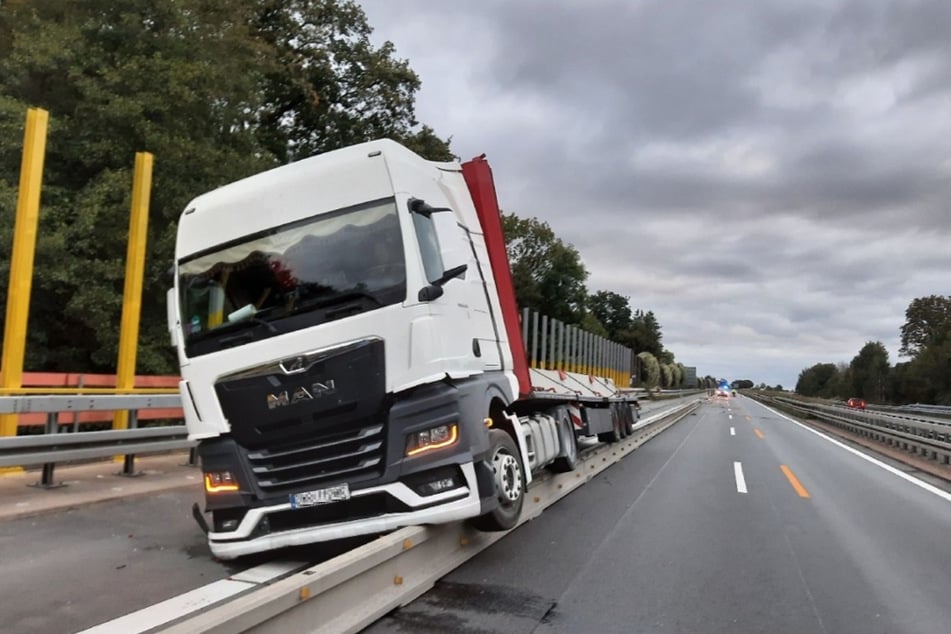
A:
[566,435]
[615,434]
[628,417]
[509,484]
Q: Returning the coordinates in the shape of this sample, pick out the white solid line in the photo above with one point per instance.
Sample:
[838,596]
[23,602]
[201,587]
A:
[740,480]
[901,474]
[733,431]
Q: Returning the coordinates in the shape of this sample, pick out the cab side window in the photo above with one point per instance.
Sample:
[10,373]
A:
[428,246]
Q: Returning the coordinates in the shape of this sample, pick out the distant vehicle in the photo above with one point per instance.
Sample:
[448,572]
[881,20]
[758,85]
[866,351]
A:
[856,403]
[724,389]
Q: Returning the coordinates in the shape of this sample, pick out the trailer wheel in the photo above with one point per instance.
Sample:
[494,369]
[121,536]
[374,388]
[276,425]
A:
[509,484]
[628,417]
[615,434]
[566,434]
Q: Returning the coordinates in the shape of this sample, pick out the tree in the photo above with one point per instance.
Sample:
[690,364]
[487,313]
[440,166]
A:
[681,374]
[870,371]
[329,87]
[216,90]
[934,365]
[819,380]
[927,322]
[666,376]
[613,311]
[650,369]
[548,274]
[926,378]
[118,78]
[644,334]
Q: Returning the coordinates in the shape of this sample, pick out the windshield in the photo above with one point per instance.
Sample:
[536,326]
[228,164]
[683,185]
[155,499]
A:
[323,268]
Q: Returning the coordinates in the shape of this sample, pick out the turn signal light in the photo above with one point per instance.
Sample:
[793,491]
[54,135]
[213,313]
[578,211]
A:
[438,437]
[220,482]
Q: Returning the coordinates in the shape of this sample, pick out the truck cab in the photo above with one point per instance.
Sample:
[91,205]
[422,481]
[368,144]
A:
[340,341]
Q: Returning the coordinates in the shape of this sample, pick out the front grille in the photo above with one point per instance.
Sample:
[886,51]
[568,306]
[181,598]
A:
[329,454]
[312,420]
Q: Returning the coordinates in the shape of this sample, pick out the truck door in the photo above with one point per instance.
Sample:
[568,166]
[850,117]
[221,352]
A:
[443,246]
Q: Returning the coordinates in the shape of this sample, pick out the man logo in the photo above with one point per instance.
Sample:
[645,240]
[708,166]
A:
[300,394]
[277,400]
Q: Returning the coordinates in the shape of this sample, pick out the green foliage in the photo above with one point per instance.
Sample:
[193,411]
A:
[591,324]
[870,371]
[927,323]
[679,374]
[644,333]
[820,380]
[650,370]
[328,86]
[612,310]
[548,274]
[926,337]
[215,90]
[926,378]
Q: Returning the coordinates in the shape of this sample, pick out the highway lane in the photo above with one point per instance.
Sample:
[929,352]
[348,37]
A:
[705,531]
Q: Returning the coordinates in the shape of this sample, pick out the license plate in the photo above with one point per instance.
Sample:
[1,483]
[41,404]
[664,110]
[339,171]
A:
[320,496]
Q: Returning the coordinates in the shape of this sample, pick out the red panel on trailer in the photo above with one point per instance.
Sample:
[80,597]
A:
[478,177]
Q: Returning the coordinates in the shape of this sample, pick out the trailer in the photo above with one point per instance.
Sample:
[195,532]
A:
[352,358]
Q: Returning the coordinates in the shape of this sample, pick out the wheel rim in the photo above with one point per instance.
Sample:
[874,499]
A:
[508,477]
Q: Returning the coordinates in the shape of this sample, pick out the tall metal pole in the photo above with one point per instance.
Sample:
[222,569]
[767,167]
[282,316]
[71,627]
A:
[134,272]
[21,259]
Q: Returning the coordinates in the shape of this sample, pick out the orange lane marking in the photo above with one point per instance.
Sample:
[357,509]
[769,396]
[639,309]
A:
[759,433]
[794,481]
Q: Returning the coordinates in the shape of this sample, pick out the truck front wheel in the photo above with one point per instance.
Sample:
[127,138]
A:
[509,484]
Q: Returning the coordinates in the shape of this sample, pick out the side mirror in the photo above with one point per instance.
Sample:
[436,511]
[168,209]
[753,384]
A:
[434,290]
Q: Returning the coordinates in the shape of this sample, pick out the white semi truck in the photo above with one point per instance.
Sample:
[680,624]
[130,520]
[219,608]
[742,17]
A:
[351,354]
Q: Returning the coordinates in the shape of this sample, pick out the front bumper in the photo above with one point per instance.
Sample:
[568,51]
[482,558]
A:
[455,504]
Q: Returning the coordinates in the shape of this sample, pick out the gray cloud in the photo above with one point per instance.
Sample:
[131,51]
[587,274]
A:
[771,178]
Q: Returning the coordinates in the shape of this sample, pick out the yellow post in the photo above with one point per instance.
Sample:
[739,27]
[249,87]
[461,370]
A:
[21,259]
[134,272]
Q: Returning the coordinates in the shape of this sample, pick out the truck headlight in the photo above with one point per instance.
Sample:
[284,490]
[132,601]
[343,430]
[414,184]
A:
[438,437]
[220,482]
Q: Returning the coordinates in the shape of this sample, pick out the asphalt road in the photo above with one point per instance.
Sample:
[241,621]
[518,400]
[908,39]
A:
[663,542]
[668,541]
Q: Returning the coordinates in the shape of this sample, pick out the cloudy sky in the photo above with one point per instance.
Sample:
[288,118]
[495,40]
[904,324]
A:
[771,178]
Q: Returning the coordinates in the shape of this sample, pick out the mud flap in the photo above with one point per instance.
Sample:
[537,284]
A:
[485,480]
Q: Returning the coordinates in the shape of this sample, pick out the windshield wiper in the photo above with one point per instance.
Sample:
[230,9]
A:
[339,298]
[232,326]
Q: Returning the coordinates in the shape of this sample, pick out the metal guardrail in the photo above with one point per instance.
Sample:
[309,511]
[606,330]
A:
[935,413]
[941,410]
[350,592]
[929,439]
[82,403]
[52,447]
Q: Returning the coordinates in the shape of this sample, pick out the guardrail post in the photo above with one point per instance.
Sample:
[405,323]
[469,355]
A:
[128,462]
[46,479]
